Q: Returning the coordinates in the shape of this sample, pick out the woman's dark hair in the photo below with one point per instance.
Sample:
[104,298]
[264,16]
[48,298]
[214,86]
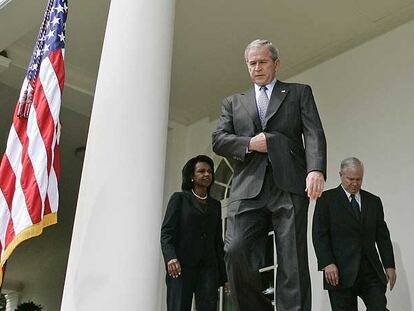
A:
[188,171]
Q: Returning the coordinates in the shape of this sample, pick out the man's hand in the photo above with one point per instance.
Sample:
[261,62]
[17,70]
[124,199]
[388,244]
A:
[331,274]
[391,277]
[258,143]
[314,184]
[174,268]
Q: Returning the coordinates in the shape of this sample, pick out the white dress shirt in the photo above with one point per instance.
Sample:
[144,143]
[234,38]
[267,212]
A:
[269,90]
[357,197]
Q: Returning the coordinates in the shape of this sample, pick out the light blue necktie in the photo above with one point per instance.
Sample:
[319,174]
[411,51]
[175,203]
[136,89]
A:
[262,103]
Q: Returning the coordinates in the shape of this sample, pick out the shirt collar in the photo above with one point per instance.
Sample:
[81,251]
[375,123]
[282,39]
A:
[269,87]
[357,195]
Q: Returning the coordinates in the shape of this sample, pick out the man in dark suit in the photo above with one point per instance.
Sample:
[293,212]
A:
[274,133]
[348,225]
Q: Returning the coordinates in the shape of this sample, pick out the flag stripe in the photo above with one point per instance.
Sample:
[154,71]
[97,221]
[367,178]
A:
[56,60]
[27,177]
[4,219]
[7,186]
[46,127]
[53,193]
[51,87]
[10,234]
[19,209]
[7,182]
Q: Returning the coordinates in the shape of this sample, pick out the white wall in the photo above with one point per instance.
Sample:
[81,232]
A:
[185,142]
[366,101]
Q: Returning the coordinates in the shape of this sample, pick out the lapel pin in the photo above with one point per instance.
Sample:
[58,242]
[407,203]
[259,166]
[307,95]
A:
[283,91]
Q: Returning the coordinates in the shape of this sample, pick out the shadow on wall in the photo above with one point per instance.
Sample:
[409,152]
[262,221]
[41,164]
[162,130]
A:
[400,297]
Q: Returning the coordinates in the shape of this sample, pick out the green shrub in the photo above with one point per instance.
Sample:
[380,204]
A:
[29,306]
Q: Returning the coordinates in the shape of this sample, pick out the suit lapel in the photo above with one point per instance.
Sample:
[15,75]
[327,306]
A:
[278,95]
[249,102]
[364,206]
[196,204]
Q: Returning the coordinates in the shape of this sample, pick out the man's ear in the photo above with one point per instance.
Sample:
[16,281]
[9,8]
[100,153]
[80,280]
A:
[277,64]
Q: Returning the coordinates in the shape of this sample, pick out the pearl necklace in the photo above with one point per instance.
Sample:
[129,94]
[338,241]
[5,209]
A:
[199,197]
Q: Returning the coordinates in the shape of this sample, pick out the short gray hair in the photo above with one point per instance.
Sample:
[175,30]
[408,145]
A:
[351,162]
[259,43]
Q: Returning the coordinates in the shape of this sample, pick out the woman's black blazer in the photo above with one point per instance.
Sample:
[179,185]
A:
[192,232]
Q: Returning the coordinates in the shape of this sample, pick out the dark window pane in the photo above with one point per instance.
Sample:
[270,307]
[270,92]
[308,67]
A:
[268,278]
[217,191]
[269,261]
[223,173]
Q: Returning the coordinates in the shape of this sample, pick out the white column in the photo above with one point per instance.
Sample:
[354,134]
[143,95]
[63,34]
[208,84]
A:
[115,251]
[12,300]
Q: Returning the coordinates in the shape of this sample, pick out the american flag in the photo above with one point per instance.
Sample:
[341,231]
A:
[30,168]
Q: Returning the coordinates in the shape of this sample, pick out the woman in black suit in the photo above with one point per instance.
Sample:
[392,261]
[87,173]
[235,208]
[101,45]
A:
[191,241]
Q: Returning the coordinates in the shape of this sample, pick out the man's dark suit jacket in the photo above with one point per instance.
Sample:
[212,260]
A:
[192,233]
[341,239]
[291,113]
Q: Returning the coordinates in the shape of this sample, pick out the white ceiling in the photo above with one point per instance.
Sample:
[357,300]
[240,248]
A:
[84,38]
[210,37]
[209,40]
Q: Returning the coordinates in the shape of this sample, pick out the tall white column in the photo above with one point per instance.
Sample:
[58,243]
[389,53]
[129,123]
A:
[115,251]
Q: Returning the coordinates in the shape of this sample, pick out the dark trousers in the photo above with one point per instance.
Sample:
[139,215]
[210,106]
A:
[248,225]
[368,286]
[200,281]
